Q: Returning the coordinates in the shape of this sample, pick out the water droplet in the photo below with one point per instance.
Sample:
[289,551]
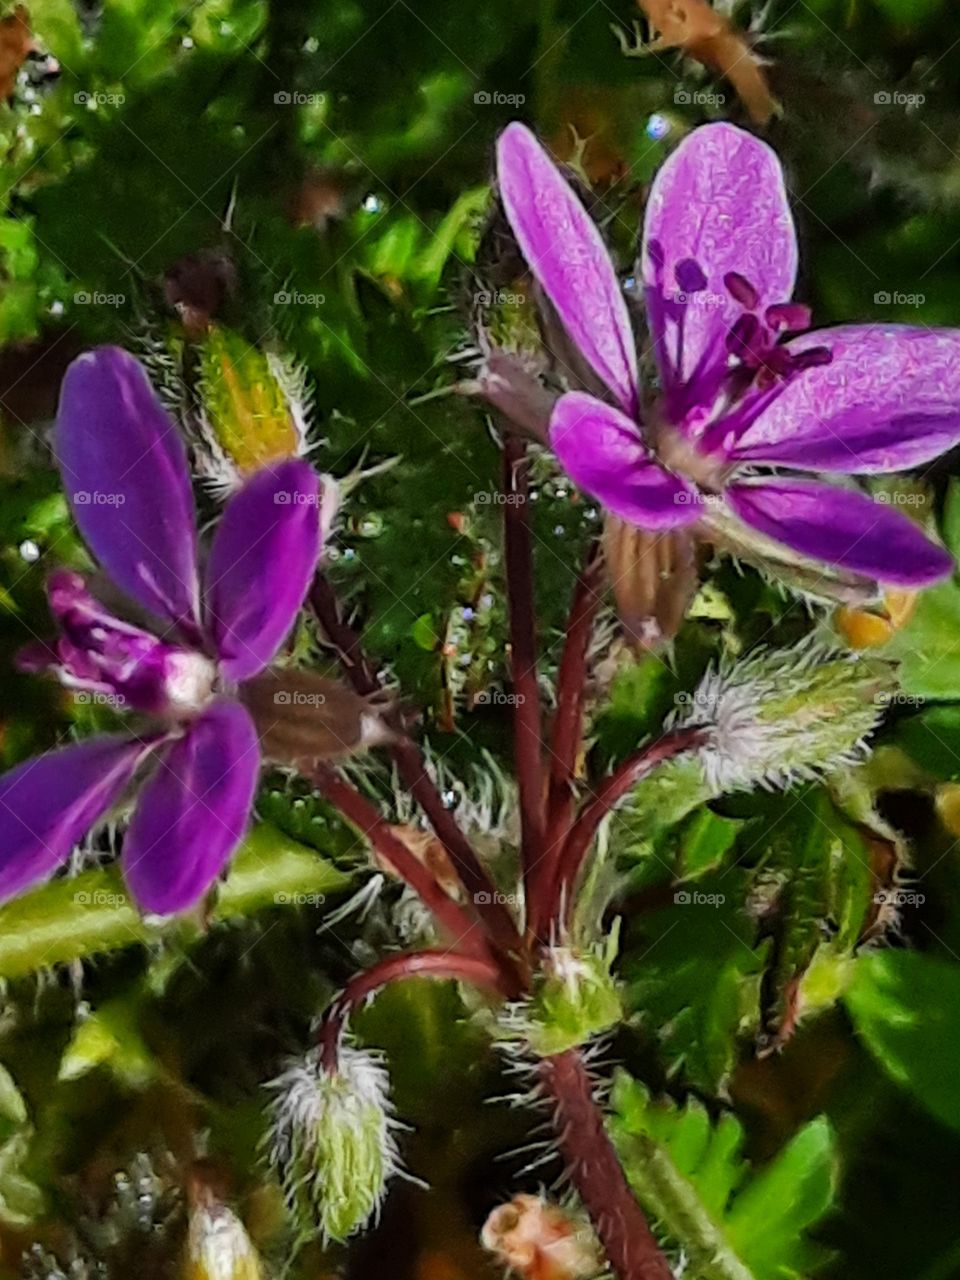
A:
[372,204]
[658,126]
[370,525]
[29,551]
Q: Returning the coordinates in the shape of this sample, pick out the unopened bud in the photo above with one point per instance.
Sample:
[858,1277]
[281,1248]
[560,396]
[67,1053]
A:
[218,1247]
[538,1240]
[333,1143]
[575,1000]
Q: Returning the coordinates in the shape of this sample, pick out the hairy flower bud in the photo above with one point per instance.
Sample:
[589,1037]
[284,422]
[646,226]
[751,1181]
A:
[333,1143]
[539,1240]
[575,999]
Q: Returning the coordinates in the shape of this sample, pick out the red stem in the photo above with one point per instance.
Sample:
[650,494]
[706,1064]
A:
[610,792]
[566,739]
[596,1172]
[413,964]
[528,747]
[462,924]
[412,770]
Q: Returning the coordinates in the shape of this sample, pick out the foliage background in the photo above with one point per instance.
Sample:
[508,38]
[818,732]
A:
[341,150]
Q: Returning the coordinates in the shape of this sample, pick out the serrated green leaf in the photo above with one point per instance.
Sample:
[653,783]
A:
[732,1222]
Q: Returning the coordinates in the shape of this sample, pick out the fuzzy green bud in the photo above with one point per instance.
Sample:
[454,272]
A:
[333,1143]
[575,999]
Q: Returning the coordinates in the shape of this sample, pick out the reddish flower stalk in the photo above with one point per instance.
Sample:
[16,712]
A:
[606,797]
[566,739]
[528,746]
[413,773]
[461,923]
[412,964]
[593,1166]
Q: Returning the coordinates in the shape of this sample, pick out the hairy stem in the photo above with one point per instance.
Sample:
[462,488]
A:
[413,772]
[528,747]
[606,797]
[596,1173]
[459,922]
[566,739]
[413,964]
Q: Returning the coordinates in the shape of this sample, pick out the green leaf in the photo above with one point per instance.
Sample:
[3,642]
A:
[733,1223]
[906,1006]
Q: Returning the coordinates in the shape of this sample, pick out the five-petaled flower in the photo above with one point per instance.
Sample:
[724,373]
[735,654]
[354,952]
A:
[211,633]
[745,391]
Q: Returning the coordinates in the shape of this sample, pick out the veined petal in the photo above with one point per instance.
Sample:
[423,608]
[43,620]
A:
[566,253]
[193,812]
[602,452]
[718,202]
[124,468]
[842,528]
[888,400]
[49,803]
[262,560]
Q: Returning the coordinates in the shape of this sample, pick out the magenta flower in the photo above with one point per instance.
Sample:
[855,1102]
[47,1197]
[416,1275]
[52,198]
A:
[743,387]
[124,468]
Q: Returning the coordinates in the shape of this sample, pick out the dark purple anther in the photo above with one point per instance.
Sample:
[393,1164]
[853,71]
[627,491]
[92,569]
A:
[788,317]
[690,276]
[741,290]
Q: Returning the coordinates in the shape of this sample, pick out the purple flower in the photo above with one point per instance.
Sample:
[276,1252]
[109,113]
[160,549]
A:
[125,471]
[743,387]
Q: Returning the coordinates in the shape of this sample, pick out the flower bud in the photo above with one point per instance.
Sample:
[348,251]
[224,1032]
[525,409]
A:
[333,1143]
[218,1247]
[538,1240]
[576,998]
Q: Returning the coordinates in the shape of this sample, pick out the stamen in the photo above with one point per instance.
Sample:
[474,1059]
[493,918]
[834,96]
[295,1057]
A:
[690,276]
[812,358]
[742,338]
[788,317]
[741,290]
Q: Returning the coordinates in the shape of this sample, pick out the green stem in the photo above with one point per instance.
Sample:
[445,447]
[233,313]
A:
[93,913]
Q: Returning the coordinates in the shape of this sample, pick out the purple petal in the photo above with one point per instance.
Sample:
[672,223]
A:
[193,812]
[718,201]
[889,400]
[261,563]
[49,803]
[124,467]
[602,452]
[842,528]
[566,254]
